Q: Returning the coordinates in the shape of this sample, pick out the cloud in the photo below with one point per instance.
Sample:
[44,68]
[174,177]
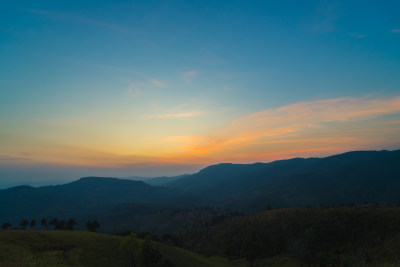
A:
[133,91]
[325,17]
[12,157]
[297,124]
[77,19]
[180,111]
[111,67]
[189,75]
[395,31]
[184,114]
[157,83]
[357,35]
[337,109]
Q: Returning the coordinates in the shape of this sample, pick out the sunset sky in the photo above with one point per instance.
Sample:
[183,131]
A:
[149,88]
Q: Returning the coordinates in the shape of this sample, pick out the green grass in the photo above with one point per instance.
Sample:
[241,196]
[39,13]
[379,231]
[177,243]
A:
[181,257]
[78,248]
[58,248]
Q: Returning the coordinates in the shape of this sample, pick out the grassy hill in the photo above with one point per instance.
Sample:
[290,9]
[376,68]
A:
[365,235]
[77,248]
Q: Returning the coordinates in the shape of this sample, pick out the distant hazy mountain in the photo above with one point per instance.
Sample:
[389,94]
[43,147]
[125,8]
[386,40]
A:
[84,198]
[5,185]
[156,180]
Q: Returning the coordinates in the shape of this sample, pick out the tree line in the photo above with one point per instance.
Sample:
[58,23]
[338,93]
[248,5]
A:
[55,223]
[142,252]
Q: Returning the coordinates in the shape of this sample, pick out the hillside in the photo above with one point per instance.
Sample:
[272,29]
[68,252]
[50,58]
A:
[86,198]
[158,181]
[145,218]
[75,248]
[371,176]
[366,235]
[121,204]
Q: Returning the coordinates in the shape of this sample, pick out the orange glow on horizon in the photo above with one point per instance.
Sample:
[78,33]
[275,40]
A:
[317,128]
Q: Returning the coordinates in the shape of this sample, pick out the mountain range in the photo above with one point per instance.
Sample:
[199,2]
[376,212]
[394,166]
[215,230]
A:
[353,177]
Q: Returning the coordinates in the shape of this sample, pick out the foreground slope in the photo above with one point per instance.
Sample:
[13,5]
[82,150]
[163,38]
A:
[52,248]
[366,235]
[76,248]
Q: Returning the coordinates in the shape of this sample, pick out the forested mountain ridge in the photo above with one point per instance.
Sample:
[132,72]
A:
[87,197]
[361,176]
[353,177]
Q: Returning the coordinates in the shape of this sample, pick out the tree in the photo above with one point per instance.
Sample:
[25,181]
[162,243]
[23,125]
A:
[171,239]
[60,225]
[24,223]
[32,224]
[308,246]
[251,249]
[44,223]
[268,207]
[54,222]
[92,226]
[130,247]
[150,255]
[6,225]
[70,224]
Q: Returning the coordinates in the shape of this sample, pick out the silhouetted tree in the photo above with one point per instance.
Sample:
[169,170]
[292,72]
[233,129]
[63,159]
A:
[54,222]
[32,224]
[44,223]
[171,239]
[6,225]
[70,224]
[268,207]
[150,255]
[24,223]
[60,225]
[144,235]
[92,226]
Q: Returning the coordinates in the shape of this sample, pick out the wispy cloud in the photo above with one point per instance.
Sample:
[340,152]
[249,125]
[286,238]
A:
[357,35]
[183,114]
[133,91]
[80,19]
[157,83]
[337,109]
[325,16]
[293,124]
[12,157]
[180,111]
[189,75]
[395,31]
[136,89]
[77,19]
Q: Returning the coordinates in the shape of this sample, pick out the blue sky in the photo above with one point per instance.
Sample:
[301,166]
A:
[168,87]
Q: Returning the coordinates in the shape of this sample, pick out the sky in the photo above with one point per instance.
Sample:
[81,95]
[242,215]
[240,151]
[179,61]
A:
[152,88]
